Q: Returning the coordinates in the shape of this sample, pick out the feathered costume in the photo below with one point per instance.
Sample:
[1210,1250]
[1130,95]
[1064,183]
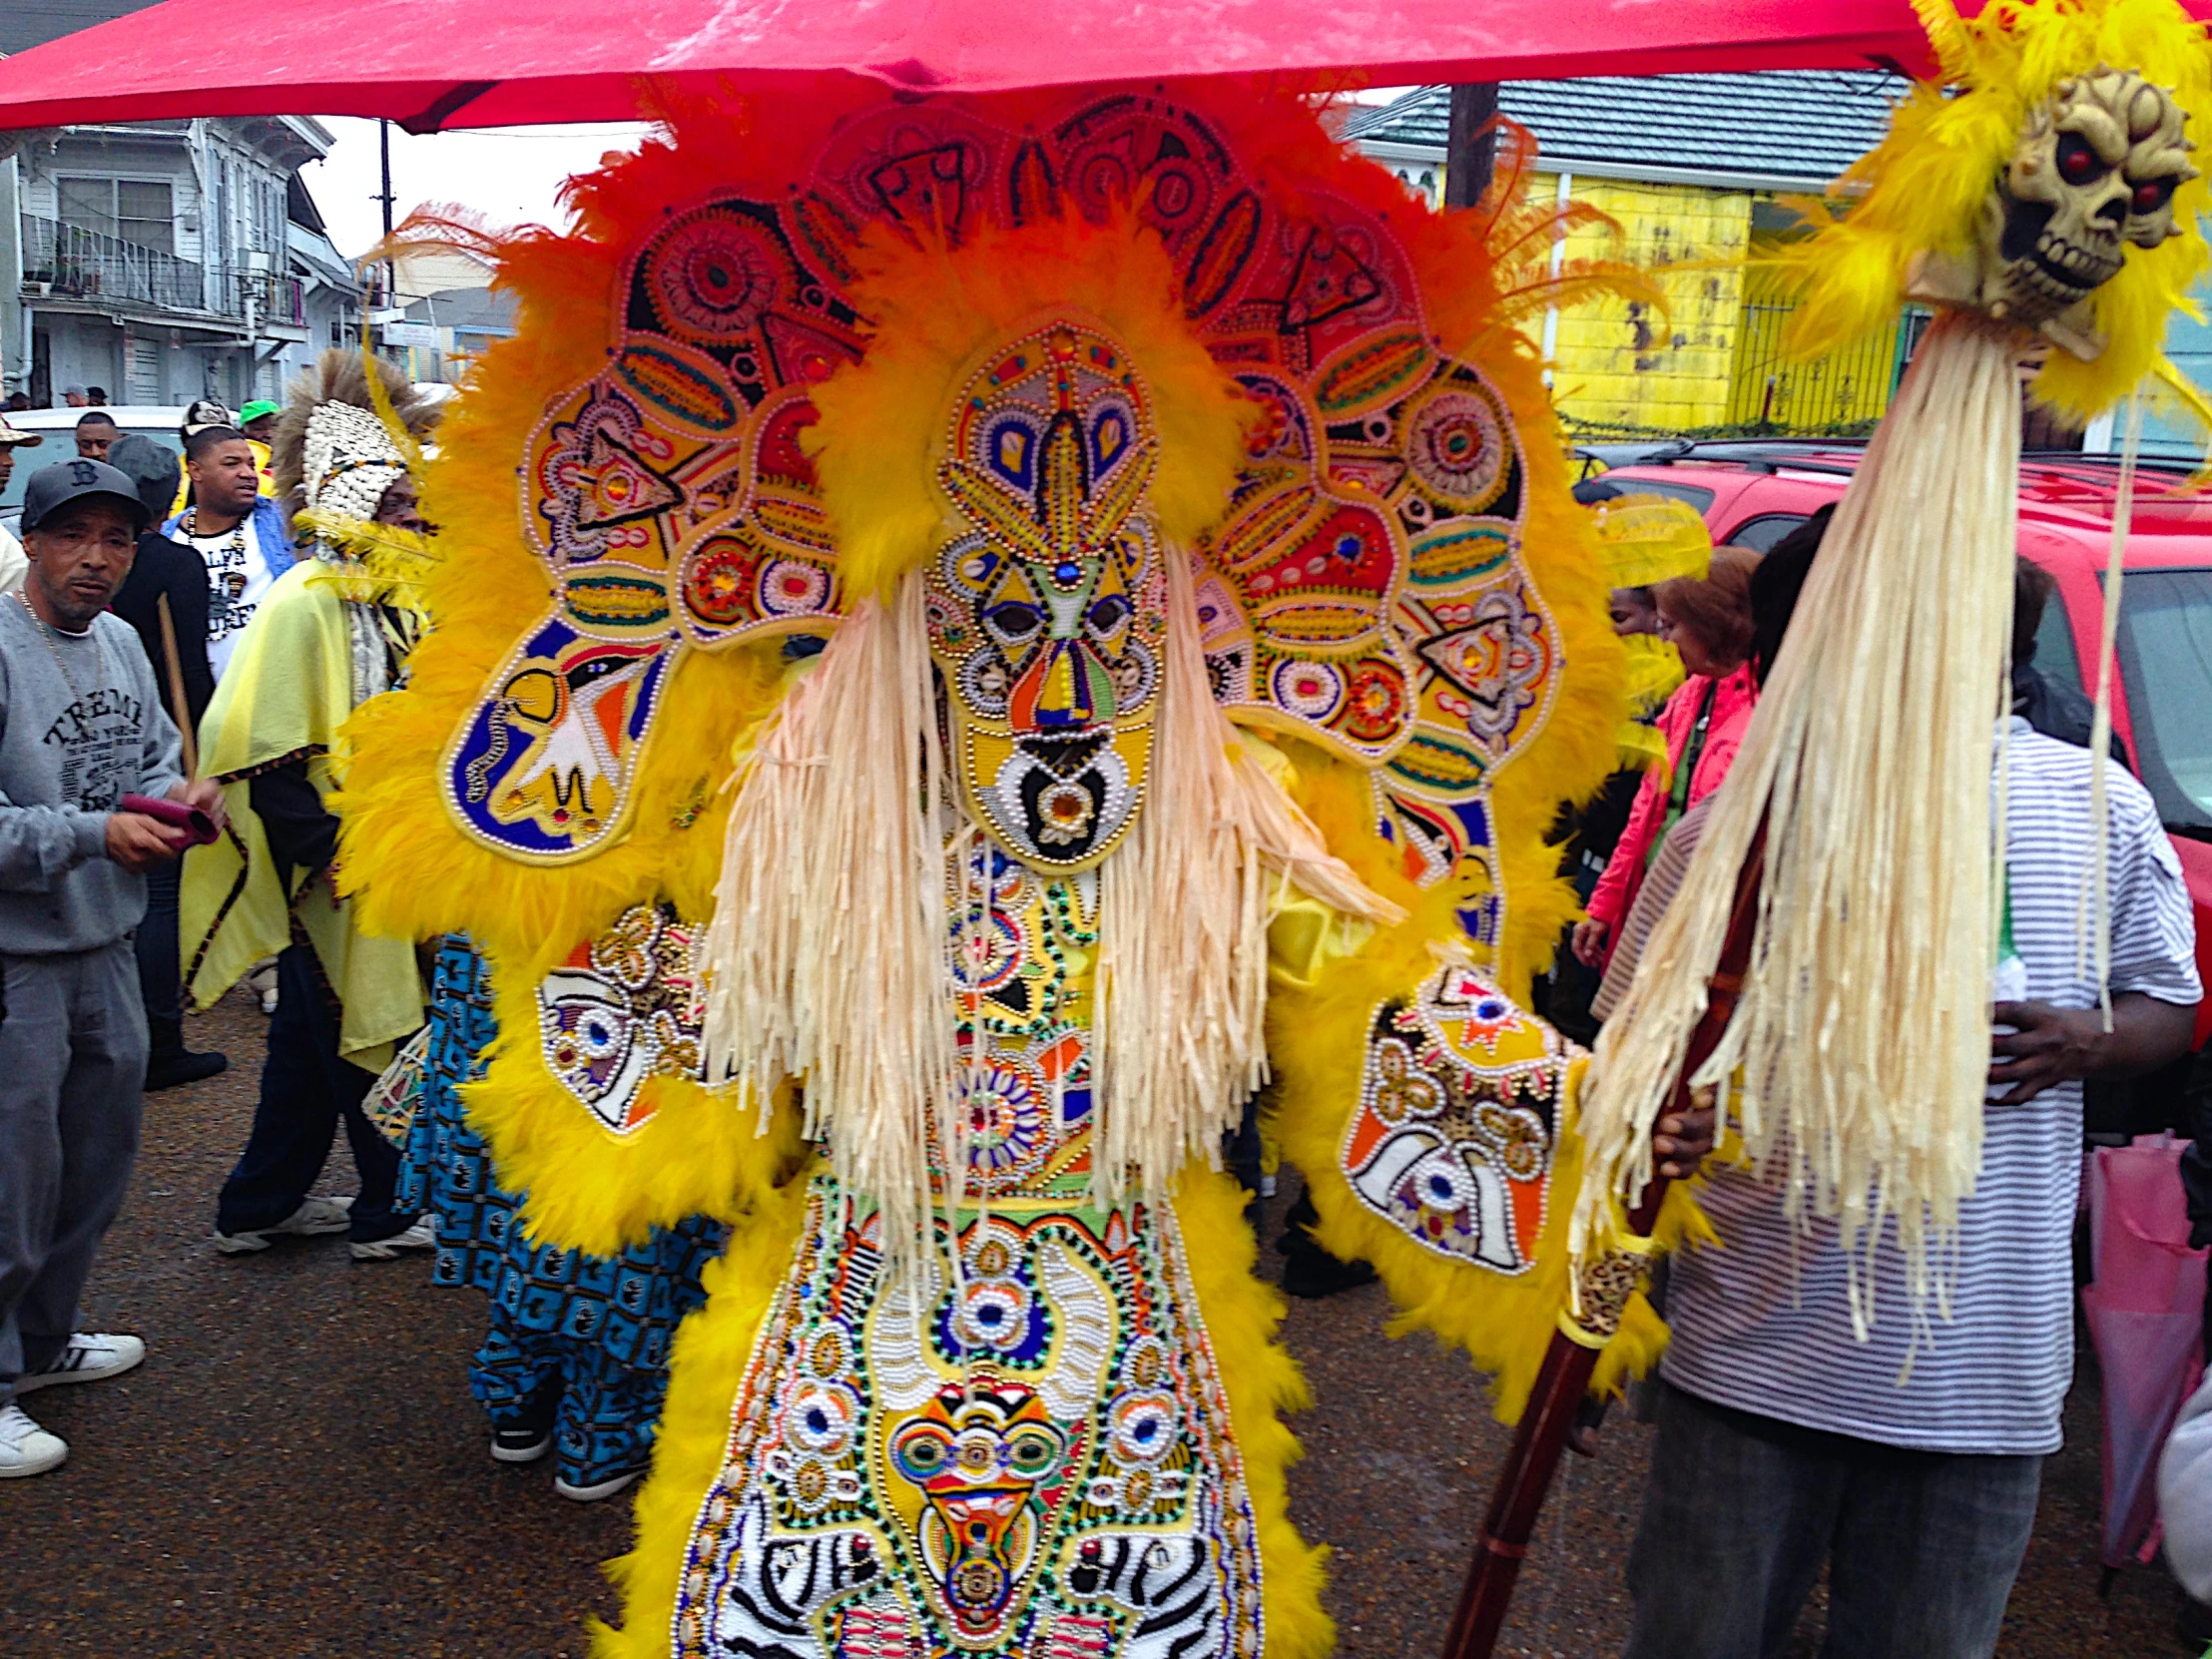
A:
[327,636]
[1210,640]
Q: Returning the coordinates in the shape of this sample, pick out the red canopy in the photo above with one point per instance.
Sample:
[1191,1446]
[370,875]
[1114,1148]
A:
[478,63]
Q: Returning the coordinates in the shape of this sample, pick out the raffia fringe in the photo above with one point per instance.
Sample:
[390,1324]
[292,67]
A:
[1179,1027]
[825,953]
[1863,1031]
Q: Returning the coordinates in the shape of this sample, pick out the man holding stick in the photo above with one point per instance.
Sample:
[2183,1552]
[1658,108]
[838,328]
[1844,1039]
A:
[1907,1462]
[165,598]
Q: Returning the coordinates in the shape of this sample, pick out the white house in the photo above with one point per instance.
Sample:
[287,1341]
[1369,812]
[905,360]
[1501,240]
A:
[155,261]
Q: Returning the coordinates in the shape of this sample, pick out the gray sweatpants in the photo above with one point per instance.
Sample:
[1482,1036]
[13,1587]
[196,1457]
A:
[72,1082]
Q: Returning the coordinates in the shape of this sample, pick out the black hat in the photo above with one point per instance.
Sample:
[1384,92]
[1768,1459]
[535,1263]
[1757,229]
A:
[56,486]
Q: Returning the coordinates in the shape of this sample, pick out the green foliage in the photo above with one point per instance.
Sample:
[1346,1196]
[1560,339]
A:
[1598,431]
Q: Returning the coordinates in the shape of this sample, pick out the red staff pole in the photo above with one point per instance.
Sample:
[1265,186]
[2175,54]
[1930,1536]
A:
[1542,1432]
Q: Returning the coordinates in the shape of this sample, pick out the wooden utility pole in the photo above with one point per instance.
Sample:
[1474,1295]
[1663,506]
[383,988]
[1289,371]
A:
[1471,146]
[392,268]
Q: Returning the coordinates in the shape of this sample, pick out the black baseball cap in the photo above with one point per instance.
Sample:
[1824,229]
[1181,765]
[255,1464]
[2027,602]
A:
[55,487]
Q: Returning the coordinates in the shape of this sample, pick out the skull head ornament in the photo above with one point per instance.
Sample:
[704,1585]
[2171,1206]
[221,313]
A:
[2096,169]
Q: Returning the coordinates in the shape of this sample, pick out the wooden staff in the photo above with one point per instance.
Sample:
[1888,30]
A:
[1541,1435]
[174,660]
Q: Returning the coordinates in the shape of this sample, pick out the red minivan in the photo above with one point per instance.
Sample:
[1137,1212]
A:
[1753,493]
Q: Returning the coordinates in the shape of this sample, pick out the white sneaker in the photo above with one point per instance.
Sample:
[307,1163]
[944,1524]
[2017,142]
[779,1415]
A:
[520,1446]
[602,1489]
[88,1357]
[423,1235]
[313,1216]
[25,1447]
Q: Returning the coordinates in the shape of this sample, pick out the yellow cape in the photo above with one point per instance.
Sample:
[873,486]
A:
[288,689]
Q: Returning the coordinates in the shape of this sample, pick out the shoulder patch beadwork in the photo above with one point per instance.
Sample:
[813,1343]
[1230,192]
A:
[622,1009]
[1453,1139]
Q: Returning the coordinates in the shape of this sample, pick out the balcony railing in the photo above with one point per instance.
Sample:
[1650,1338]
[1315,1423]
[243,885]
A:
[92,264]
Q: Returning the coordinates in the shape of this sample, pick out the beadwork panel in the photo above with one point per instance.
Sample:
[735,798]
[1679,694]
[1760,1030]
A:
[1453,1139]
[1367,587]
[1037,1460]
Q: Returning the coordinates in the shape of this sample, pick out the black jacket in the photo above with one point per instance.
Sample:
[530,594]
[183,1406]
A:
[168,567]
[301,832]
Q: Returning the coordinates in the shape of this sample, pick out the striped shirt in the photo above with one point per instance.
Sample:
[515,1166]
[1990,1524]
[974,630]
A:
[1762,1324]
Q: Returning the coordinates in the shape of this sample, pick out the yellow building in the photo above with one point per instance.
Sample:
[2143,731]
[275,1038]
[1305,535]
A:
[1691,169]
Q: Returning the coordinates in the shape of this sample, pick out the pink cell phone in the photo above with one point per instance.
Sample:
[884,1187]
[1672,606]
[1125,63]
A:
[199,828]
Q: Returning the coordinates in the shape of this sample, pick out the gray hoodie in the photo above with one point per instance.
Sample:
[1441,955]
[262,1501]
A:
[73,740]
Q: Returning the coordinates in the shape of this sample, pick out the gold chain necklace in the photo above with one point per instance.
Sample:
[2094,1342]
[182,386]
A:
[47,631]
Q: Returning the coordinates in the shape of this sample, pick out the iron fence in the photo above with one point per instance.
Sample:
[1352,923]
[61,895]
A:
[83,263]
[1841,391]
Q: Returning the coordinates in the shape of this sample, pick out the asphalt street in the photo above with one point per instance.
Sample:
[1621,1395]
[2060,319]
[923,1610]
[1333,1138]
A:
[299,1469]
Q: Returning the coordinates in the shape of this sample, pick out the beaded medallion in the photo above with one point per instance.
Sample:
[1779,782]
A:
[1453,1140]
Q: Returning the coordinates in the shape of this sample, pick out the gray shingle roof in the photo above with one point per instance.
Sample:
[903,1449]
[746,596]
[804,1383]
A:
[1787,124]
[472,311]
[28,23]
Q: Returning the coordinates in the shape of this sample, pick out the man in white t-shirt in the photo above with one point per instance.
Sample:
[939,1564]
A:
[239,533]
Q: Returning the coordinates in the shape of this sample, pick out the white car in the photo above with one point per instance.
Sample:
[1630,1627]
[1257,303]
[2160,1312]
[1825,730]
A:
[162,422]
[57,431]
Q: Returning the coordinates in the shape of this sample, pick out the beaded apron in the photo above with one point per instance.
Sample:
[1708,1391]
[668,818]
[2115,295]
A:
[1037,1458]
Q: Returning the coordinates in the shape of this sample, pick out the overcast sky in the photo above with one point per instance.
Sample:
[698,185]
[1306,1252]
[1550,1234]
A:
[511,174]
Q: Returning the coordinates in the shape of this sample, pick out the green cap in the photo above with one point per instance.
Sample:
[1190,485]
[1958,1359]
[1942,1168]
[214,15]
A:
[256,409]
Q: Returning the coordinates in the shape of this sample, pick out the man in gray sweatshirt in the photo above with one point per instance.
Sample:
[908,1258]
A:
[81,725]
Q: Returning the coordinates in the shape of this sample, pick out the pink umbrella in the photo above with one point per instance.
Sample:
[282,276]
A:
[480,62]
[2146,1316]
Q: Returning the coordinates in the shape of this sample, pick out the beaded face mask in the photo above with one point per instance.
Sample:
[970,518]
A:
[1048,618]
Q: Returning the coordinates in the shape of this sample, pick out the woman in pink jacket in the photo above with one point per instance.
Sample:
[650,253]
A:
[1709,624]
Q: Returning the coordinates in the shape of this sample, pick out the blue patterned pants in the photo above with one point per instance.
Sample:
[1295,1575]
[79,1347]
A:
[578,1342]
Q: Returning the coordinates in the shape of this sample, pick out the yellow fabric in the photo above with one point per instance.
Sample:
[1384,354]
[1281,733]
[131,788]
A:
[289,686]
[1305,936]
[1923,189]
